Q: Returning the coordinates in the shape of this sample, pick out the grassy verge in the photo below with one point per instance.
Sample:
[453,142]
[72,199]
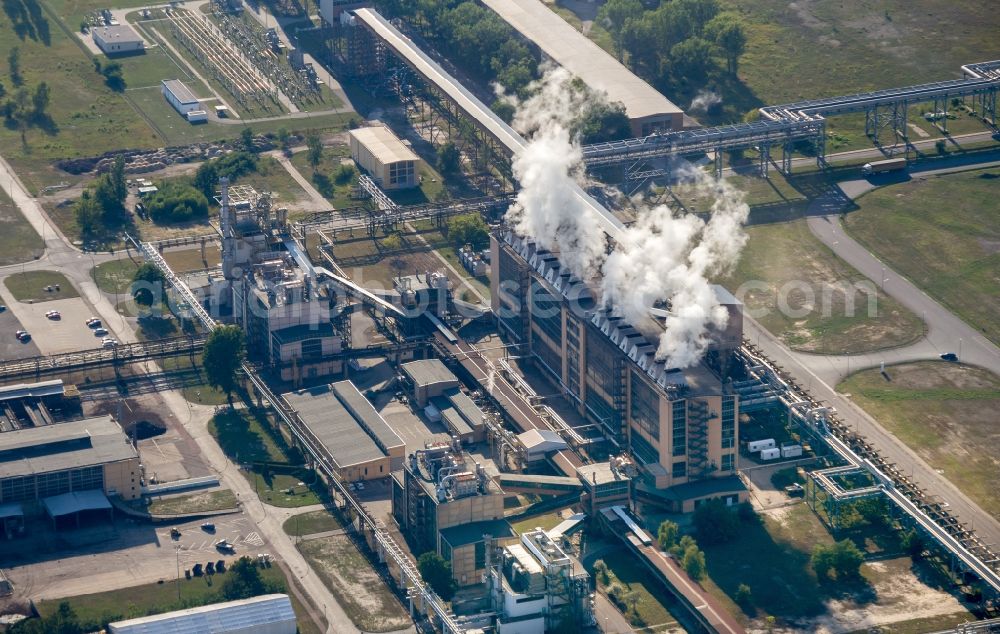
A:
[193,503]
[30,286]
[546,522]
[18,240]
[359,590]
[795,287]
[193,259]
[157,598]
[273,469]
[324,175]
[651,606]
[943,233]
[196,389]
[309,523]
[946,413]
[116,276]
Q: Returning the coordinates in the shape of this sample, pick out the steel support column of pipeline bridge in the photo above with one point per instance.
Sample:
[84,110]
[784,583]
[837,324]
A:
[786,124]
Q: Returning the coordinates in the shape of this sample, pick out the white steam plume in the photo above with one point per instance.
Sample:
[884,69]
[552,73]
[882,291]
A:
[547,207]
[670,257]
[664,256]
[704,100]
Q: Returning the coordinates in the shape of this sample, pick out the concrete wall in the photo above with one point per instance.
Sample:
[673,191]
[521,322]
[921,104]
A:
[379,468]
[123,477]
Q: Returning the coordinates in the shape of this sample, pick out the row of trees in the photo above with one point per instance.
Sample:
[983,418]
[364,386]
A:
[101,207]
[678,39]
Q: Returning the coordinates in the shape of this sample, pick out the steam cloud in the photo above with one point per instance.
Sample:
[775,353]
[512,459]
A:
[663,256]
[704,100]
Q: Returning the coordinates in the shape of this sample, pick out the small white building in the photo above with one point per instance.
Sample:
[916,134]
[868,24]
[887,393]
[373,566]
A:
[266,614]
[391,163]
[179,96]
[117,39]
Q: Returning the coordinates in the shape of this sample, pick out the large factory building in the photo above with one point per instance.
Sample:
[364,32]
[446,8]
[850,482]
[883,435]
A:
[681,426]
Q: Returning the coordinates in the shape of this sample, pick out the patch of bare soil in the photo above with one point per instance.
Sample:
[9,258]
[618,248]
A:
[901,597]
[934,375]
[358,588]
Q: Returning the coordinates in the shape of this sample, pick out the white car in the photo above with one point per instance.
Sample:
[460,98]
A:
[93,322]
[109,343]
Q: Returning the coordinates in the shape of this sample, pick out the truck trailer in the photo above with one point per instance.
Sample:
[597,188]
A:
[758,445]
[881,167]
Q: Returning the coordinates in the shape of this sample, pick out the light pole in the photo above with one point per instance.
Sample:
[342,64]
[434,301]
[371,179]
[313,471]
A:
[959,348]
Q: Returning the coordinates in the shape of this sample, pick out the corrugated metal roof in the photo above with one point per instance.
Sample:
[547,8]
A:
[367,415]
[32,390]
[428,372]
[333,425]
[581,56]
[273,611]
[384,145]
[465,406]
[82,443]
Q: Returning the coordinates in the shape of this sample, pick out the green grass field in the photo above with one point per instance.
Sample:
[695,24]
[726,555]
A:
[157,598]
[18,240]
[311,522]
[285,490]
[243,439]
[116,276]
[88,117]
[787,256]
[946,413]
[652,605]
[29,287]
[198,390]
[322,178]
[190,259]
[943,233]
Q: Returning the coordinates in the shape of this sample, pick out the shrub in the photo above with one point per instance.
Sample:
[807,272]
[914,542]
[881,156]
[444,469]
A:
[175,202]
[715,523]
[743,596]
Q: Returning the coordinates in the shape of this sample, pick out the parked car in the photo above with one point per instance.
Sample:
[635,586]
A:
[196,570]
[93,322]
[210,568]
[220,566]
[949,356]
[225,546]
[175,532]
[109,343]
[54,314]
[101,332]
[2,308]
[208,527]
[795,490]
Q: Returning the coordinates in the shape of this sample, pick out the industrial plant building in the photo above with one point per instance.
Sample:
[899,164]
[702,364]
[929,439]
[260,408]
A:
[389,161]
[66,468]
[265,614]
[445,502]
[289,318]
[680,426]
[536,587]
[354,434]
[118,39]
[648,110]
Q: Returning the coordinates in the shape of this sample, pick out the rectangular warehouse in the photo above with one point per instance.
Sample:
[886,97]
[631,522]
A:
[647,109]
[429,378]
[360,443]
[265,614]
[117,39]
[179,96]
[389,161]
[83,455]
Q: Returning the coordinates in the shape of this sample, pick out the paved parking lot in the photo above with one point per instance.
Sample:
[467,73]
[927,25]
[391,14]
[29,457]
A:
[10,347]
[52,336]
[130,554]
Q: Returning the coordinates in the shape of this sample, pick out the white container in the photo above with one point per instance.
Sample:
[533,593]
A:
[759,445]
[791,451]
[770,454]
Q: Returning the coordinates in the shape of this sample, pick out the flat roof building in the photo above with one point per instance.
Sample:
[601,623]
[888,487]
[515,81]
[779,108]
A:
[117,39]
[647,109]
[266,614]
[429,378]
[78,456]
[179,96]
[357,438]
[443,488]
[391,163]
